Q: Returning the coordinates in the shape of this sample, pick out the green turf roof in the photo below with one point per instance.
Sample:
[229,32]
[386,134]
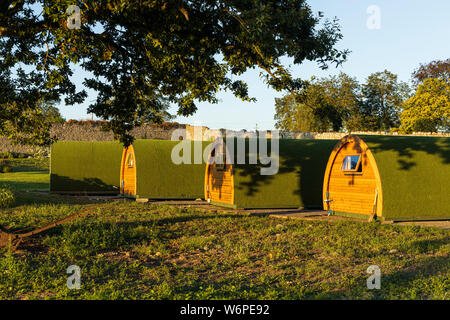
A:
[298,182]
[415,175]
[85,167]
[159,178]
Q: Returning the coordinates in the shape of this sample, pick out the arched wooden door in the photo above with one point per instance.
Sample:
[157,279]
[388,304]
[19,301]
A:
[219,181]
[352,183]
[128,173]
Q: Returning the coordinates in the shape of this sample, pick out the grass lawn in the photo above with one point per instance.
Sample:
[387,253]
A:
[129,250]
[28,174]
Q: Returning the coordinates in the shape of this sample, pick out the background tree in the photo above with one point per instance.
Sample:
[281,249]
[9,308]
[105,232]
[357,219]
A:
[294,116]
[52,114]
[383,96]
[338,102]
[429,109]
[323,105]
[144,54]
[438,69]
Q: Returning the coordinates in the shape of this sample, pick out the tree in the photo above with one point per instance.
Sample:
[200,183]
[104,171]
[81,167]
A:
[383,96]
[438,69]
[143,54]
[52,114]
[429,109]
[293,116]
[323,105]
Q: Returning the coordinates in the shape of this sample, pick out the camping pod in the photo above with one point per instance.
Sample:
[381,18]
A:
[242,183]
[388,177]
[162,169]
[85,167]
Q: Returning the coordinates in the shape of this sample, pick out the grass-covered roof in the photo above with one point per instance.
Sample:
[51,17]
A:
[158,177]
[298,182]
[85,166]
[415,175]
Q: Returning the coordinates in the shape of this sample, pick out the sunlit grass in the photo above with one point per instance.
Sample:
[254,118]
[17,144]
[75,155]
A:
[138,251]
[28,174]
[129,250]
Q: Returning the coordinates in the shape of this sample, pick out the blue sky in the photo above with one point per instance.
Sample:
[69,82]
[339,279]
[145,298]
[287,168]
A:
[412,32]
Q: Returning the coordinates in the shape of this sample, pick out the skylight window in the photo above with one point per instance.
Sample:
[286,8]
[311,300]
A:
[351,163]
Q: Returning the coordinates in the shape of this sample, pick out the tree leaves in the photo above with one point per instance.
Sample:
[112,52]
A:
[429,109]
[144,55]
[322,105]
[435,69]
[338,102]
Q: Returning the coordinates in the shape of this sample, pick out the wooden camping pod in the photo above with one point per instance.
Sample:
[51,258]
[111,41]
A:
[148,171]
[297,184]
[392,178]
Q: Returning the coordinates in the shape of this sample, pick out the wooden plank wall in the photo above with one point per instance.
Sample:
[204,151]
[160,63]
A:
[221,184]
[129,173]
[352,192]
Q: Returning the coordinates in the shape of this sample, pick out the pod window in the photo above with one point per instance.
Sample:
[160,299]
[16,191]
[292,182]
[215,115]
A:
[130,161]
[352,163]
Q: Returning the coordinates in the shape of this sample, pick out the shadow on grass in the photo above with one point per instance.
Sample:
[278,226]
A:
[408,283]
[26,186]
[424,246]
[165,221]
[122,234]
[43,198]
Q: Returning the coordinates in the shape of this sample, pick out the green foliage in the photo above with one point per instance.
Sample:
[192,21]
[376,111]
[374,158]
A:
[12,155]
[5,155]
[7,169]
[292,116]
[334,103]
[144,55]
[52,114]
[7,198]
[383,96]
[429,109]
[323,105]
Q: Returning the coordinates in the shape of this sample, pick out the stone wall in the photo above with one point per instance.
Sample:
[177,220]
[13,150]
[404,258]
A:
[92,132]
[211,134]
